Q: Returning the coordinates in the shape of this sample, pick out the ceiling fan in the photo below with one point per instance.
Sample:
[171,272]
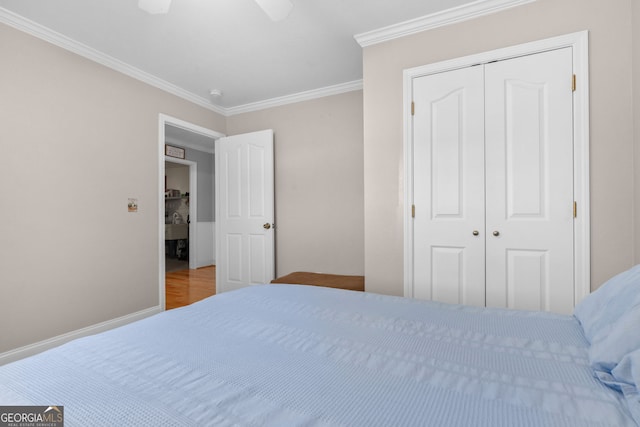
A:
[276,10]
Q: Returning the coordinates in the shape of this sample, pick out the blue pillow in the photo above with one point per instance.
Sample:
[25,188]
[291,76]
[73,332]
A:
[615,341]
[626,378]
[599,311]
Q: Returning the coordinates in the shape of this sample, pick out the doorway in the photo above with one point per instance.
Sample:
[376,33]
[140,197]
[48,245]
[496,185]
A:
[180,200]
[194,143]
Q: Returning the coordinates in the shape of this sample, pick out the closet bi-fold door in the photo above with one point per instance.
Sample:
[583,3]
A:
[448,147]
[493,184]
[529,182]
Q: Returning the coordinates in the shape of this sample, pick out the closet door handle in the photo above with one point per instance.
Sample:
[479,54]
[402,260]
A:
[475,232]
[496,233]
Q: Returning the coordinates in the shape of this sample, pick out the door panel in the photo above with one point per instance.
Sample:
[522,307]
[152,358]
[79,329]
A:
[258,251]
[528,281]
[244,204]
[447,138]
[257,207]
[529,182]
[449,187]
[446,274]
[233,265]
[233,190]
[525,149]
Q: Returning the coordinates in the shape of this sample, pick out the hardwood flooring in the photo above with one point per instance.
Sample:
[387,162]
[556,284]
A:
[185,287]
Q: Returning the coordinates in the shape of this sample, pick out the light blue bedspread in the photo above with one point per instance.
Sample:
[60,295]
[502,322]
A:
[284,355]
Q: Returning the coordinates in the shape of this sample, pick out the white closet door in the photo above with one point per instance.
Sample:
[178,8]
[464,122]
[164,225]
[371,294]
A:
[448,187]
[529,182]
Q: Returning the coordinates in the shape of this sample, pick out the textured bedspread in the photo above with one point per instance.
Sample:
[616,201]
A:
[286,355]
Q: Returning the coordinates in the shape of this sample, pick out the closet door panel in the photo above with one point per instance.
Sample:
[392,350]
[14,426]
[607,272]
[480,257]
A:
[529,182]
[448,127]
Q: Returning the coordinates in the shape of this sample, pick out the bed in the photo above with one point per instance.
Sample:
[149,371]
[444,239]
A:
[291,355]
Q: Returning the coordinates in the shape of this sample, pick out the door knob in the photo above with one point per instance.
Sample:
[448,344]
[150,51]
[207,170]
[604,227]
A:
[496,233]
[475,232]
[266,226]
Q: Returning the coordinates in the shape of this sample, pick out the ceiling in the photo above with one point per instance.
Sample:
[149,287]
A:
[229,45]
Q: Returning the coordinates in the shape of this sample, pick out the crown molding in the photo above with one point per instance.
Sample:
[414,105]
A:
[439,19]
[30,27]
[26,25]
[296,97]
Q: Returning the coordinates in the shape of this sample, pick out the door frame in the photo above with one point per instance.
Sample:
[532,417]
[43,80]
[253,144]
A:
[579,42]
[164,119]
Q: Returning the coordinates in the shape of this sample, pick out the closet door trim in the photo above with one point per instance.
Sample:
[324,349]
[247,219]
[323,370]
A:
[579,44]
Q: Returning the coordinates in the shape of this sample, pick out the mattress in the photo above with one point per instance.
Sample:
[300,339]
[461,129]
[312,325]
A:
[288,355]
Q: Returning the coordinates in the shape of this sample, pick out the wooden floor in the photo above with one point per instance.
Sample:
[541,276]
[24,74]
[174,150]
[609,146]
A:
[188,286]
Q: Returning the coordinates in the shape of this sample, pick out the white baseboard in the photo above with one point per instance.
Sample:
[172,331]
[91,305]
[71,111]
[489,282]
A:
[31,349]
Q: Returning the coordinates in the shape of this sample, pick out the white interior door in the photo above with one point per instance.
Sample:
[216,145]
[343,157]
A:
[448,126]
[529,182]
[244,210]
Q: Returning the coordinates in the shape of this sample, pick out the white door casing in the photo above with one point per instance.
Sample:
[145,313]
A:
[522,259]
[448,159]
[529,182]
[244,210]
[163,121]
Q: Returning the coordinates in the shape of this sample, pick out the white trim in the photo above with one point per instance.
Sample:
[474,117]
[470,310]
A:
[164,119]
[197,147]
[184,125]
[407,138]
[296,97]
[579,42]
[30,27]
[33,28]
[31,349]
[439,19]
[581,160]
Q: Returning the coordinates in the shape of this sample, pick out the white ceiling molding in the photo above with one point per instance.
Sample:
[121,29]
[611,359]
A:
[435,20]
[450,16]
[25,25]
[296,97]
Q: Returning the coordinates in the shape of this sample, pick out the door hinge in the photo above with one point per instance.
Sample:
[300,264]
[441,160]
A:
[573,83]
[413,211]
[575,209]
[413,108]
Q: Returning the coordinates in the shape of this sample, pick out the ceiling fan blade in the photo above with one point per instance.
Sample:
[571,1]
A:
[277,10]
[154,6]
